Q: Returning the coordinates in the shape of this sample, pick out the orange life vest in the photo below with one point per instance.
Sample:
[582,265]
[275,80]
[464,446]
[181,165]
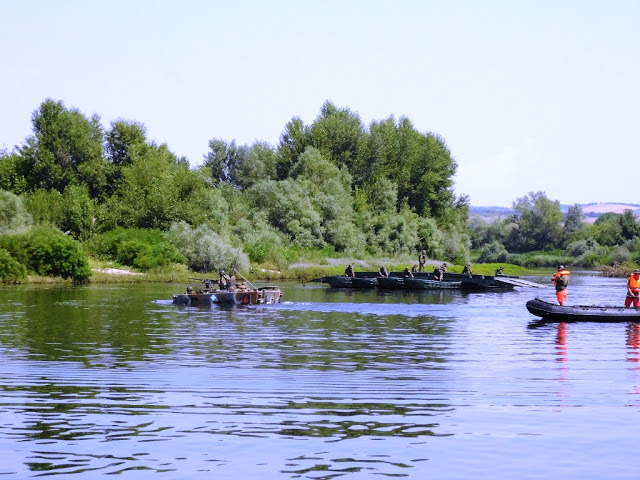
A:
[634,284]
[560,273]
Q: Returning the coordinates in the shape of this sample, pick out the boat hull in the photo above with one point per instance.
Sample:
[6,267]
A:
[429,284]
[391,283]
[581,313]
[340,281]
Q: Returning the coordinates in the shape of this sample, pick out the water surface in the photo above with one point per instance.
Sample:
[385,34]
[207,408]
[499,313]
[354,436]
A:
[99,380]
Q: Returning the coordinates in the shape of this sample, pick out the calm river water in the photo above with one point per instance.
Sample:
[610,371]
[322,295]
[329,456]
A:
[99,380]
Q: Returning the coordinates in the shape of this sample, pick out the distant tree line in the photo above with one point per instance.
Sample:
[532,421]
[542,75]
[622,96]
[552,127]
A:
[538,225]
[335,185]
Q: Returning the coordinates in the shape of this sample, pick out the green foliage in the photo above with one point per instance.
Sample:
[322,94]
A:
[123,141]
[72,212]
[45,206]
[336,134]
[157,190]
[139,248]
[614,228]
[494,252]
[541,259]
[66,147]
[12,172]
[47,251]
[240,166]
[78,212]
[14,217]
[261,241]
[11,270]
[573,220]
[539,224]
[293,141]
[333,184]
[205,250]
[580,247]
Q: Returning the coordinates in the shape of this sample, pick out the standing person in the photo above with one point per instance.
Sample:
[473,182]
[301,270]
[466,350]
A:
[633,290]
[561,281]
[383,271]
[349,272]
[225,280]
[422,259]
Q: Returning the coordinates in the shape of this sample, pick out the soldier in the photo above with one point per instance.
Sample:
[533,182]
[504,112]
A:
[225,280]
[437,273]
[422,259]
[349,272]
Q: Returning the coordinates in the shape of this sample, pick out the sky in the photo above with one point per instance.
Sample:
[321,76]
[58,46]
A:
[529,96]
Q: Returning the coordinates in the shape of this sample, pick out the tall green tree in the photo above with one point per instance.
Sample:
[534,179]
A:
[293,141]
[337,133]
[538,224]
[66,148]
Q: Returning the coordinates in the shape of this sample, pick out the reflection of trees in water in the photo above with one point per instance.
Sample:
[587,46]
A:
[331,341]
[81,324]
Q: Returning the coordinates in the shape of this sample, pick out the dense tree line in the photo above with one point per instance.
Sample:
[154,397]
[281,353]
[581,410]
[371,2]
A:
[335,185]
[538,225]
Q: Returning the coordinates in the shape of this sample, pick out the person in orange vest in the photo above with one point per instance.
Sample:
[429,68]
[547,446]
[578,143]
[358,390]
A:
[633,290]
[561,281]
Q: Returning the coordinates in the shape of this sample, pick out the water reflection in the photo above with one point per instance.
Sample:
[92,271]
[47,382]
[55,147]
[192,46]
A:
[328,384]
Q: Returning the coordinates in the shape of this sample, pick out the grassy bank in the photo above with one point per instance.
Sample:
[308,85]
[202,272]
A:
[105,273]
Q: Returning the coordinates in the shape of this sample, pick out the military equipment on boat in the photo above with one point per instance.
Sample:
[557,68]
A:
[235,294]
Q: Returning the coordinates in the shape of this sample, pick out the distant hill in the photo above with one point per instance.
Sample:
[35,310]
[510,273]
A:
[591,210]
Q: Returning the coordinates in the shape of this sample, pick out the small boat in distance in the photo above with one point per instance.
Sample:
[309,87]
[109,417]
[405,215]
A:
[236,294]
[581,313]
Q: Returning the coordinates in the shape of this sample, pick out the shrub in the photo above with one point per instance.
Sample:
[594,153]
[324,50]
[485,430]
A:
[494,252]
[10,269]
[205,250]
[13,215]
[142,249]
[47,251]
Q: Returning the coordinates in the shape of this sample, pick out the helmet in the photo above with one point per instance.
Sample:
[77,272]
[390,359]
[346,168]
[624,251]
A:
[560,267]
[221,272]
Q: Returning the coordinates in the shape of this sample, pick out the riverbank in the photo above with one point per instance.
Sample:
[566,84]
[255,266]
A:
[303,272]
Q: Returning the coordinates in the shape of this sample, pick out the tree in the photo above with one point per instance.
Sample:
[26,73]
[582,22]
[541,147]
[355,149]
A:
[122,140]
[539,224]
[336,133]
[152,192]
[293,141]
[63,142]
[419,164]
[12,172]
[574,219]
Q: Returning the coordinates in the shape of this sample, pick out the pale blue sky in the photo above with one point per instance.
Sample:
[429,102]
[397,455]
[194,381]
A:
[528,95]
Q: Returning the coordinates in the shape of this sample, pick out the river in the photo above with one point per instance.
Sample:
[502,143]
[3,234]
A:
[114,379]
